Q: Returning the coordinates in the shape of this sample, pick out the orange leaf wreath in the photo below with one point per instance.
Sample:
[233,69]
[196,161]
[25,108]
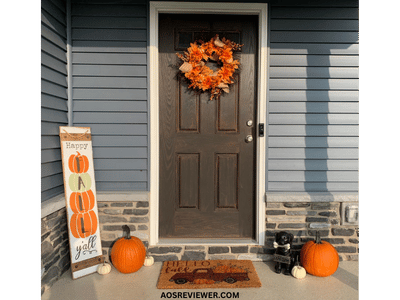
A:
[203,78]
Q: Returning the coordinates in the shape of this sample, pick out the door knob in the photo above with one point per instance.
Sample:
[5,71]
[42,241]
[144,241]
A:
[249,139]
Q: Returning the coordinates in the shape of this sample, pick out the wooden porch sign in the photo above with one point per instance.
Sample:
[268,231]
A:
[81,202]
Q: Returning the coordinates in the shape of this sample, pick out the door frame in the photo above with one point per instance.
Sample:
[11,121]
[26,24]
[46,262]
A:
[259,9]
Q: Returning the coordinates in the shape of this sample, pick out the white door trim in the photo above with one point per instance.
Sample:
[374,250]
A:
[259,9]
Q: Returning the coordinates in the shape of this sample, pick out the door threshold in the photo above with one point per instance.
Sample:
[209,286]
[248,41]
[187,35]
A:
[205,242]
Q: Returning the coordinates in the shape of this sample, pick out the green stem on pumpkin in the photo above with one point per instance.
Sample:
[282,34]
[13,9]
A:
[317,237]
[128,231]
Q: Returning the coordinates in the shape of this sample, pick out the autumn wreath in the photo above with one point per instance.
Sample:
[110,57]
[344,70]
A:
[203,78]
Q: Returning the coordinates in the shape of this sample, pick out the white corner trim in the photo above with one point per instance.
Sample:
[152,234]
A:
[311,197]
[157,7]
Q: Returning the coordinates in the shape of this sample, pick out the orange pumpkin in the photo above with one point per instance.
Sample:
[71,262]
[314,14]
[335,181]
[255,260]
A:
[83,224]
[78,163]
[128,253]
[319,258]
[81,202]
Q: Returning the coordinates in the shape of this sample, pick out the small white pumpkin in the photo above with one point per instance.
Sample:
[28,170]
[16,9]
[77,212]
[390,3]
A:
[298,272]
[148,261]
[104,269]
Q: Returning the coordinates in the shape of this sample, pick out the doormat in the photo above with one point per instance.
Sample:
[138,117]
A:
[201,274]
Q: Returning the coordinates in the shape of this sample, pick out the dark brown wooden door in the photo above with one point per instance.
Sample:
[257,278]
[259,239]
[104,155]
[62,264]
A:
[207,169]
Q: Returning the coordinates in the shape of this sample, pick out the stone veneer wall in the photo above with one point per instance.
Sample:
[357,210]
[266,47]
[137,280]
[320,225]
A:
[300,218]
[55,258]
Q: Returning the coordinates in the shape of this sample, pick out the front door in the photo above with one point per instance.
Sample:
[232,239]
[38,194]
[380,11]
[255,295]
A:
[206,166]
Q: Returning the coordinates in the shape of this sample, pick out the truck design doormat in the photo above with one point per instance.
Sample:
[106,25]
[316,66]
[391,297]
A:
[200,274]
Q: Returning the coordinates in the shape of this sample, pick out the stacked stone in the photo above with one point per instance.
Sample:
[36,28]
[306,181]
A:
[303,219]
[55,248]
[254,253]
[113,215]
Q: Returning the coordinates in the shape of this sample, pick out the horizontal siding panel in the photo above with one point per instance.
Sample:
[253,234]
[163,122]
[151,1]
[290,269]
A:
[313,72]
[109,71]
[110,94]
[53,76]
[310,176]
[304,48]
[112,10]
[313,37]
[123,152]
[316,119]
[49,155]
[109,46]
[50,142]
[121,176]
[313,84]
[51,115]
[313,153]
[120,164]
[51,128]
[109,58]
[60,4]
[52,181]
[313,130]
[54,89]
[312,165]
[314,60]
[54,24]
[109,34]
[54,50]
[51,168]
[313,13]
[54,11]
[110,118]
[117,129]
[121,186]
[322,96]
[50,101]
[325,25]
[54,37]
[109,22]
[315,142]
[316,3]
[52,192]
[110,106]
[313,186]
[54,63]
[119,141]
[313,107]
[109,82]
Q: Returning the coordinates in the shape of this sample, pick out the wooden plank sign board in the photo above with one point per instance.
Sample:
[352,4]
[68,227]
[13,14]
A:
[81,202]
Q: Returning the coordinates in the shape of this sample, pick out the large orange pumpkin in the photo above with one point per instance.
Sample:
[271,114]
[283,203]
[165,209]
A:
[83,224]
[128,253]
[81,202]
[319,258]
[78,163]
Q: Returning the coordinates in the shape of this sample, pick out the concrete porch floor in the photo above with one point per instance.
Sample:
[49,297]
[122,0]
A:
[142,285]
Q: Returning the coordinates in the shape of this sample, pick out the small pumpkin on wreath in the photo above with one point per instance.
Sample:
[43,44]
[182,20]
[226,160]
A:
[203,78]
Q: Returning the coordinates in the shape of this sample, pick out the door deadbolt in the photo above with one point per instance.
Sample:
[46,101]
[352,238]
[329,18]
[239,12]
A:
[249,139]
[249,123]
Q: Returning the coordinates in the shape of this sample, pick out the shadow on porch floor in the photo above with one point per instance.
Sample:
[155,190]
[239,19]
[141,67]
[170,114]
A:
[142,285]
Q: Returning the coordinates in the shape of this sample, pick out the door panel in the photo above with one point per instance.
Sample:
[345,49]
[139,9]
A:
[206,167]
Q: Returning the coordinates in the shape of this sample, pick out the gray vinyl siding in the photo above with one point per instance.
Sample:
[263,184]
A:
[109,68]
[313,97]
[54,107]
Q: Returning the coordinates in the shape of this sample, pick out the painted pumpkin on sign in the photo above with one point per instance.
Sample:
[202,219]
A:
[83,224]
[78,163]
[128,253]
[81,202]
[80,182]
[319,258]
